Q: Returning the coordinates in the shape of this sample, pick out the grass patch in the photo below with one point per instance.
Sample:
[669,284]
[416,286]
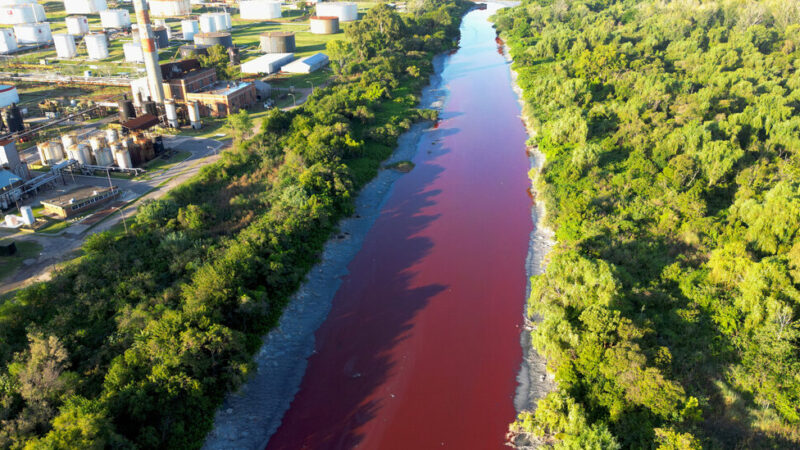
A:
[10,264]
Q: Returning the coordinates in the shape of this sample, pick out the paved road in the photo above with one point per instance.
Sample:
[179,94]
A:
[59,248]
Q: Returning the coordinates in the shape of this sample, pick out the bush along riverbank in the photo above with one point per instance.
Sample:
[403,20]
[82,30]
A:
[670,304]
[137,342]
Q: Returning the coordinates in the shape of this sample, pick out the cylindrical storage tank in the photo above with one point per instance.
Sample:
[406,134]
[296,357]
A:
[22,13]
[81,153]
[133,52]
[189,27]
[324,24]
[211,39]
[68,140]
[161,37]
[221,23]
[96,45]
[65,45]
[41,148]
[151,108]
[123,159]
[192,50]
[170,8]
[8,42]
[33,33]
[277,42]
[77,25]
[104,157]
[54,151]
[84,6]
[259,9]
[171,112]
[126,110]
[345,11]
[194,115]
[228,22]
[207,23]
[111,136]
[97,142]
[115,18]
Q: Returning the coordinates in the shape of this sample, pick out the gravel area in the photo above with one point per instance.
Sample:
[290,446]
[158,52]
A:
[249,417]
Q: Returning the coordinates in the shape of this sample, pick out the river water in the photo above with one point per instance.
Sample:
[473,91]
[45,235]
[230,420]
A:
[421,348]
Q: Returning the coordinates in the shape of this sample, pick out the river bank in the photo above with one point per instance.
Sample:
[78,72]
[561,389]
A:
[535,382]
[248,418]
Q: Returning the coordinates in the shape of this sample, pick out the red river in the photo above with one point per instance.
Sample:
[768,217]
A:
[422,345]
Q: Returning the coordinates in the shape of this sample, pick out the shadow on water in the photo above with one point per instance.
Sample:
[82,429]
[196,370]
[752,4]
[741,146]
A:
[372,313]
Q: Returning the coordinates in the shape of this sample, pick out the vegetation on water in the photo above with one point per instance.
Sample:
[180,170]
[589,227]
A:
[135,344]
[669,310]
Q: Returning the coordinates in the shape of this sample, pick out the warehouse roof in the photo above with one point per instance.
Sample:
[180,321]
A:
[142,122]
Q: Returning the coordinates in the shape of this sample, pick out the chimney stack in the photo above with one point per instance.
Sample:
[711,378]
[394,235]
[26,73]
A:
[154,79]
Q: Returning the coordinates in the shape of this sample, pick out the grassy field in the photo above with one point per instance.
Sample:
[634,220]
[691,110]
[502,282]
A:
[10,264]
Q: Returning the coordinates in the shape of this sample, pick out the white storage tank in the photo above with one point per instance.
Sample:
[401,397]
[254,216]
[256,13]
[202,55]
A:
[104,157]
[115,18]
[259,9]
[223,21]
[8,95]
[77,25]
[171,112]
[123,159]
[25,13]
[207,23]
[81,153]
[170,8]
[111,135]
[194,115]
[54,152]
[27,215]
[189,27]
[33,33]
[345,11]
[96,45]
[65,45]
[133,52]
[8,42]
[84,6]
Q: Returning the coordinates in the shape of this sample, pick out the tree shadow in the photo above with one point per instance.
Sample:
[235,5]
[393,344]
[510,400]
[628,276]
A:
[372,313]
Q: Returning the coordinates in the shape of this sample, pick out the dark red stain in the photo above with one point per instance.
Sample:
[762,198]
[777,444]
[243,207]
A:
[421,349]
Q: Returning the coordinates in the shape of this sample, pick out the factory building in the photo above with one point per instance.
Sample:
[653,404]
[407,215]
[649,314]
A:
[79,200]
[224,97]
[186,81]
[307,65]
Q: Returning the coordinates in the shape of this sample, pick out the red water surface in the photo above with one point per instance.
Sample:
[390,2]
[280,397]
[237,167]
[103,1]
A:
[422,345]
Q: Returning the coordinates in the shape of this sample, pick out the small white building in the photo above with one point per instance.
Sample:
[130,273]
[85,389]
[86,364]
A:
[259,9]
[8,95]
[8,43]
[115,18]
[307,65]
[65,45]
[133,52]
[84,6]
[267,64]
[33,33]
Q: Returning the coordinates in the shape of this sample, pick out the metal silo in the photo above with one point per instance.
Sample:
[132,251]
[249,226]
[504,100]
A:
[324,24]
[277,42]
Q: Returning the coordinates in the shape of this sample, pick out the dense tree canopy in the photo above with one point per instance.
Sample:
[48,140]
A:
[136,343]
[670,305]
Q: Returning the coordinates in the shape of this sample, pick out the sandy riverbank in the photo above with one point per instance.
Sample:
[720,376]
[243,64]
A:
[249,417]
[534,380]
